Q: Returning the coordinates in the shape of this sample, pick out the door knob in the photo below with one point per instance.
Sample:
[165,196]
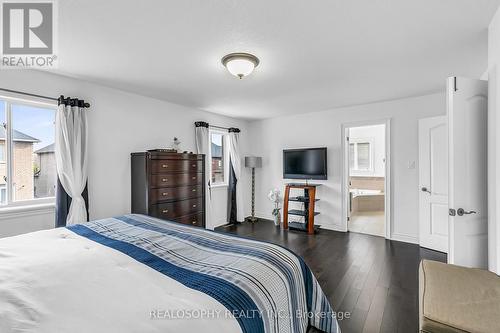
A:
[425,189]
[462,212]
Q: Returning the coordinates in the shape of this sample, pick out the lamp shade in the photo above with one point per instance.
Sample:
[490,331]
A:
[253,162]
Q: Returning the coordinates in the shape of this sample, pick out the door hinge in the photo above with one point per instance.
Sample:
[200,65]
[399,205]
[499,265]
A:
[452,212]
[348,219]
[347,138]
[455,83]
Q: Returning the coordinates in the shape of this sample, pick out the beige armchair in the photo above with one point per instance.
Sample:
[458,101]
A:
[458,299]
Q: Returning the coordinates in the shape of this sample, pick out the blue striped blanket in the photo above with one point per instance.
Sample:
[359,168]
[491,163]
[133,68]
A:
[265,287]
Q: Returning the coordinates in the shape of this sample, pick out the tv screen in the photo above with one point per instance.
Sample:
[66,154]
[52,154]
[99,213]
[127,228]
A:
[307,163]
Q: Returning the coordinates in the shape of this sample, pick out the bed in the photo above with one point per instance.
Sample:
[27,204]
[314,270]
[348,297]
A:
[135,273]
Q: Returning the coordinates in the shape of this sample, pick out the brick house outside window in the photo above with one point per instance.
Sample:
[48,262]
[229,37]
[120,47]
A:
[23,173]
[45,172]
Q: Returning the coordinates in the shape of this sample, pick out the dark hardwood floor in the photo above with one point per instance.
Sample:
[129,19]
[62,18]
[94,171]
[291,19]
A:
[373,279]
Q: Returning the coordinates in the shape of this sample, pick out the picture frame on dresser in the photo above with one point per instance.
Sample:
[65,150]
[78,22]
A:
[169,186]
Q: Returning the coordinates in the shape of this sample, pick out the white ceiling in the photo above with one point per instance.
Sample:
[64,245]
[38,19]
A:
[315,55]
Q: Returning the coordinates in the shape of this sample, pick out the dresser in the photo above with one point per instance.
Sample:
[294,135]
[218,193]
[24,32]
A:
[169,186]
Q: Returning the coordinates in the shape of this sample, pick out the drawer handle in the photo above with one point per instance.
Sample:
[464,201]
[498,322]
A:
[194,190]
[164,166]
[194,222]
[193,177]
[193,165]
[164,211]
[194,206]
[164,180]
[164,194]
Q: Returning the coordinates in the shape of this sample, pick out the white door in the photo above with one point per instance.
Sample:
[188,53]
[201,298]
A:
[433,180]
[467,104]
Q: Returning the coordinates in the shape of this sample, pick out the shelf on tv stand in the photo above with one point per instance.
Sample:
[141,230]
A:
[300,212]
[301,226]
[301,199]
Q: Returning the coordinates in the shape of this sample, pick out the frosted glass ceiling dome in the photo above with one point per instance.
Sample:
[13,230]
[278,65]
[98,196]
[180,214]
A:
[240,64]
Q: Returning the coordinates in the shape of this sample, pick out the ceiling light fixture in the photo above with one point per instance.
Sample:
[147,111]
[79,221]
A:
[240,64]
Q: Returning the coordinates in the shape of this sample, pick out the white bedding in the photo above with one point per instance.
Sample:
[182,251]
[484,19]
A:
[72,284]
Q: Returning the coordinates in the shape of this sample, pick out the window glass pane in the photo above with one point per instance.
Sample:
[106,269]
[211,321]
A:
[217,147]
[351,156]
[363,156]
[34,166]
[3,155]
[3,194]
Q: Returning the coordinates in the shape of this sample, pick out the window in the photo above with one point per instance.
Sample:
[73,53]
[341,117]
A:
[27,159]
[218,156]
[3,194]
[360,155]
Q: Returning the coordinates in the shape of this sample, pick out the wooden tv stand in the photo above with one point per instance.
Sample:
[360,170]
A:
[309,199]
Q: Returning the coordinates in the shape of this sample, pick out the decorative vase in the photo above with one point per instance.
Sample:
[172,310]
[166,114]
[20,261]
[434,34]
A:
[277,219]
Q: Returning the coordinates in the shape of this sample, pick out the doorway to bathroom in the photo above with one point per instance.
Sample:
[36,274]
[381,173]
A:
[365,191]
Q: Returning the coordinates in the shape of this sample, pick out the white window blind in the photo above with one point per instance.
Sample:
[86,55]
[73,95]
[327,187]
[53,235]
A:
[360,156]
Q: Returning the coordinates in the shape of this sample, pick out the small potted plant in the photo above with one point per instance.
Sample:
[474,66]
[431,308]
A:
[275,196]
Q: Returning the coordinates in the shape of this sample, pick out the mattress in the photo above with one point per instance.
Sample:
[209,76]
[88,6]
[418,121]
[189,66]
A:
[135,273]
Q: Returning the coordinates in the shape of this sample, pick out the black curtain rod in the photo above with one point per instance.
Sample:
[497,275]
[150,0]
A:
[219,127]
[229,129]
[35,95]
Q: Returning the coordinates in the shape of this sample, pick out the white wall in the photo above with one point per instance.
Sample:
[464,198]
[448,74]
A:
[17,221]
[494,144]
[376,135]
[317,129]
[120,123]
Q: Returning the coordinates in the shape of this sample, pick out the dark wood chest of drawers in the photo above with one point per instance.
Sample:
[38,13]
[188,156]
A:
[169,186]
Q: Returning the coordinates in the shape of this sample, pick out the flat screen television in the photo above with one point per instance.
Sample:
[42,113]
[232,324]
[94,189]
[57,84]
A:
[308,163]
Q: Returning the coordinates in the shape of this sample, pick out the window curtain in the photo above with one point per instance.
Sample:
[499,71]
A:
[63,202]
[202,138]
[231,196]
[71,157]
[235,188]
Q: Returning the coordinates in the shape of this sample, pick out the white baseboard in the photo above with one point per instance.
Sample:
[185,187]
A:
[264,216]
[404,238]
[333,227]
